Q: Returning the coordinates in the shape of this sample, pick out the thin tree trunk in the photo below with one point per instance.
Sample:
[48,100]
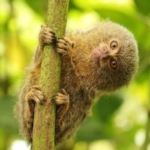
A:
[147,130]
[44,119]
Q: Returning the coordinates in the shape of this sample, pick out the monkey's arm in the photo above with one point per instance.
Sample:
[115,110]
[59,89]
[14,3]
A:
[31,94]
[46,36]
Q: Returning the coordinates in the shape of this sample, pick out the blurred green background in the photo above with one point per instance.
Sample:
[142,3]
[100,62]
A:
[119,121]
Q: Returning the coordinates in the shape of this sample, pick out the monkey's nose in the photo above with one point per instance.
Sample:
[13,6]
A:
[104,57]
[104,52]
[100,53]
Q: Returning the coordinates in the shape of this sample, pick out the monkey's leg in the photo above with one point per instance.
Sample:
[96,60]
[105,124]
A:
[34,96]
[63,101]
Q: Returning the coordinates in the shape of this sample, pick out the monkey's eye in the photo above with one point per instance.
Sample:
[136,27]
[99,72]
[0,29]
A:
[113,45]
[113,64]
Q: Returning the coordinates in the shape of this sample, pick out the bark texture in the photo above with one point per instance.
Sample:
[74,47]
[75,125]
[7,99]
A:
[44,119]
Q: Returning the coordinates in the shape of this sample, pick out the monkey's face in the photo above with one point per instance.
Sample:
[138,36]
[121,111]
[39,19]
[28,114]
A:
[105,55]
[117,63]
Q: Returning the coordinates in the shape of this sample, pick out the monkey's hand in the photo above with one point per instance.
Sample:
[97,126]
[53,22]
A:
[63,45]
[34,96]
[46,36]
[62,99]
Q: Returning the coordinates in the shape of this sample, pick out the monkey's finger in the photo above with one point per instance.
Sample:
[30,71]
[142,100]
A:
[61,51]
[36,87]
[64,91]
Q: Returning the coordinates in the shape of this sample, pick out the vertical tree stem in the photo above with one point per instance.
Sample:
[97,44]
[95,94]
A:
[147,130]
[44,118]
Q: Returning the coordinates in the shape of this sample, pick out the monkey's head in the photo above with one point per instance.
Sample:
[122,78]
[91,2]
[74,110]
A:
[116,56]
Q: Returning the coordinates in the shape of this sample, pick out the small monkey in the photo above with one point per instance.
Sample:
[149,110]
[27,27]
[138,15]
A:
[99,60]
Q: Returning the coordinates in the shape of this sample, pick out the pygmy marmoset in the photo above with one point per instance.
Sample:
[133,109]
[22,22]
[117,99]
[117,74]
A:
[99,60]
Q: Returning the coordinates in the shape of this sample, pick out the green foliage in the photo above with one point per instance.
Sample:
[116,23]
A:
[8,126]
[39,7]
[143,6]
[8,120]
[106,106]
[102,113]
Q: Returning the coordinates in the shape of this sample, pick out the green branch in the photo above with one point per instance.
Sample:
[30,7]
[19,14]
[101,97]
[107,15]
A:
[147,130]
[44,118]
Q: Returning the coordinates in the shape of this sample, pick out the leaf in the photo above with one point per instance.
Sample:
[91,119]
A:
[106,106]
[93,128]
[38,6]
[7,120]
[143,6]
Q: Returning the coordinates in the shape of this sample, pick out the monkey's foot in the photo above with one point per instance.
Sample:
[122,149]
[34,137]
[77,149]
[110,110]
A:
[62,99]
[34,96]
[63,45]
[46,36]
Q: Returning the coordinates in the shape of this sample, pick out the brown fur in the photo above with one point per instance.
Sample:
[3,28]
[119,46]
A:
[85,74]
